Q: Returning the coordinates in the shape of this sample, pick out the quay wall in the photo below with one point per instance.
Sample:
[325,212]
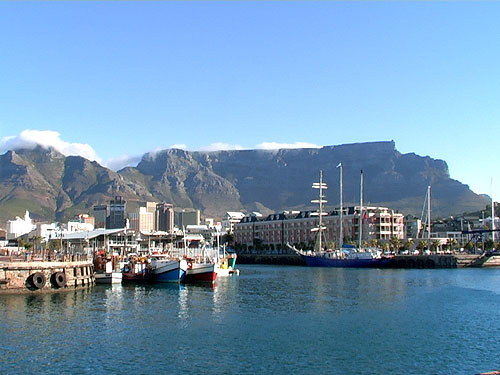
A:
[39,277]
[280,259]
[399,261]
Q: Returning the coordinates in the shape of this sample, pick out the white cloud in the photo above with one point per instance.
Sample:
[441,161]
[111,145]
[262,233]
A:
[29,139]
[277,146]
[122,161]
[219,146]
[180,146]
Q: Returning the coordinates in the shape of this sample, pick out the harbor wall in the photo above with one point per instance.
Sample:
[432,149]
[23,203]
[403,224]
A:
[38,277]
[399,261]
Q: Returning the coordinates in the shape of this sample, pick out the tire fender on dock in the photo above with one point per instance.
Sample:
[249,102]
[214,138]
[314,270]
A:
[38,280]
[58,279]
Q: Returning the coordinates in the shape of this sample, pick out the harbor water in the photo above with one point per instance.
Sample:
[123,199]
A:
[270,319]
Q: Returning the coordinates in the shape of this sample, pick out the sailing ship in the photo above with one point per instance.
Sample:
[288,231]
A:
[345,256]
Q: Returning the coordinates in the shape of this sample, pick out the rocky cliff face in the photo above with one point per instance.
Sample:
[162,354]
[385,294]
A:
[53,186]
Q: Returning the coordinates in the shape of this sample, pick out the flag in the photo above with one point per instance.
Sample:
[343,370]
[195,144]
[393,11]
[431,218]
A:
[340,164]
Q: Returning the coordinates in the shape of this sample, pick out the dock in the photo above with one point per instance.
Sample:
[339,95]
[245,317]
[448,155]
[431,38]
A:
[398,261]
[39,277]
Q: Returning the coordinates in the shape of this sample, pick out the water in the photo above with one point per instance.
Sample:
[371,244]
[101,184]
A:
[270,319]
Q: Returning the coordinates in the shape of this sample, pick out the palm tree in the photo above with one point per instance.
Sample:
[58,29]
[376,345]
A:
[435,245]
[395,244]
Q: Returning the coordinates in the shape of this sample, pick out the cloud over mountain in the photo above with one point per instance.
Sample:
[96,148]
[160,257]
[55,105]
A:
[29,139]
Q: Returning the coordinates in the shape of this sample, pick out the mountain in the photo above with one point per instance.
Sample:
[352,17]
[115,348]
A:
[51,185]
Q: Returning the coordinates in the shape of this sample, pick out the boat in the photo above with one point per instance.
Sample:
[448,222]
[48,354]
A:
[138,270]
[106,272]
[200,272]
[165,269]
[108,277]
[347,256]
[226,265]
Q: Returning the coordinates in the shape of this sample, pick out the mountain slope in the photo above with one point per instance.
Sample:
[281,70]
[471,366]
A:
[51,185]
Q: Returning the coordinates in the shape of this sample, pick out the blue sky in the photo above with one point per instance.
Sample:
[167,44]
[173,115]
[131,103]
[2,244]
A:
[113,80]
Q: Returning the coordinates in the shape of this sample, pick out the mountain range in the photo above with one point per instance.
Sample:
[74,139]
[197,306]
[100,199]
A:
[56,187]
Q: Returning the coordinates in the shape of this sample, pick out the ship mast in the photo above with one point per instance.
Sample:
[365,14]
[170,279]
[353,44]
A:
[360,224]
[321,201]
[341,239]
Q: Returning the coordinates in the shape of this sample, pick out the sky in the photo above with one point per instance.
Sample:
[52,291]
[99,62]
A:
[113,80]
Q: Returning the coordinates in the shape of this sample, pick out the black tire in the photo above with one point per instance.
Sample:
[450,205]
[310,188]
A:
[38,280]
[58,279]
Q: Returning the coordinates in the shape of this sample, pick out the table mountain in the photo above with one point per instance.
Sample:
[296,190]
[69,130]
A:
[53,186]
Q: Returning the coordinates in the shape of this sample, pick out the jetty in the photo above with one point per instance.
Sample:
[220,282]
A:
[39,276]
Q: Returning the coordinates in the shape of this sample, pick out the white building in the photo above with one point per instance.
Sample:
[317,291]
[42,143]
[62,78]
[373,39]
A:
[231,218]
[18,227]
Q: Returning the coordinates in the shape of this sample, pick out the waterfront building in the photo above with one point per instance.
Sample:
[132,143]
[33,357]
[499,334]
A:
[378,223]
[142,220]
[188,217]
[231,218]
[85,219]
[100,215]
[164,217]
[18,227]
[116,217]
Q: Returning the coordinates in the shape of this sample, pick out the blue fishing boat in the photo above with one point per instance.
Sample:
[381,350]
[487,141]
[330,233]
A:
[167,270]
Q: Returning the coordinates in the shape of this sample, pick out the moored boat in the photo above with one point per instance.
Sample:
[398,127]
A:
[200,272]
[108,277]
[138,272]
[346,257]
[168,270]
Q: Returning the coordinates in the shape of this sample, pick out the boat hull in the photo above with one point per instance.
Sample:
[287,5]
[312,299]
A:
[201,272]
[108,278]
[169,271]
[319,261]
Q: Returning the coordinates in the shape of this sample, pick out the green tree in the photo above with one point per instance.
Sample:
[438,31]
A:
[408,245]
[395,244]
[435,245]
[422,245]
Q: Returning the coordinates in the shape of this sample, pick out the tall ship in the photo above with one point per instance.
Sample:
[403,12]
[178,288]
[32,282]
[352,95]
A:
[344,256]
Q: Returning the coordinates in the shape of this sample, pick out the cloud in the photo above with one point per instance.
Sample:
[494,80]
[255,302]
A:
[219,146]
[180,146]
[277,146]
[29,139]
[122,161]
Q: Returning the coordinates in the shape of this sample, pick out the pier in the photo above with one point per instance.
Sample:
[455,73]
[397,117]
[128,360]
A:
[38,277]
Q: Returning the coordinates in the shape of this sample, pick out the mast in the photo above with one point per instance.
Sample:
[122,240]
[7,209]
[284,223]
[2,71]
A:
[341,239]
[321,186]
[492,214]
[361,211]
[429,212]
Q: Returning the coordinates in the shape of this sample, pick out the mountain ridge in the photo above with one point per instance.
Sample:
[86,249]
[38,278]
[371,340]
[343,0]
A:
[54,186]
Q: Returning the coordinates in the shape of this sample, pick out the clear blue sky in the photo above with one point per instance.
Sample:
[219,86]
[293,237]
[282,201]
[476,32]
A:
[125,78]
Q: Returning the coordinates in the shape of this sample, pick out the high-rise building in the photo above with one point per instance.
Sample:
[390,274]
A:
[142,220]
[116,213]
[100,215]
[188,217]
[165,217]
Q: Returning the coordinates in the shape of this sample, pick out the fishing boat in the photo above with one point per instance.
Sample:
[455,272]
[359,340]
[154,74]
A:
[226,264]
[165,269]
[347,256]
[138,270]
[200,272]
[108,275]
[106,269]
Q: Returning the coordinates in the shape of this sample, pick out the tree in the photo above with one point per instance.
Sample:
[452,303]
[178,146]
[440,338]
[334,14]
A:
[408,245]
[395,243]
[435,245]
[422,245]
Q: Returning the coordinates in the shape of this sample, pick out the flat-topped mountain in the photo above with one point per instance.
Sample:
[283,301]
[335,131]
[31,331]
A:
[53,186]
